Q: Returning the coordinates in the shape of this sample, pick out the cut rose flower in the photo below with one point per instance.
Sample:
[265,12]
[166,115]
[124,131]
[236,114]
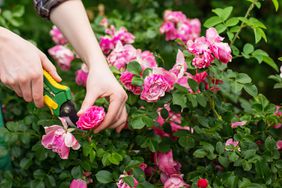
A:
[91,119]
[59,139]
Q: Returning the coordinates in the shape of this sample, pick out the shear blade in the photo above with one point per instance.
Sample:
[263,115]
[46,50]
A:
[68,112]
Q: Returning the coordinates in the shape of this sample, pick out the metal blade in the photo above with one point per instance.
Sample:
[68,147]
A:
[68,111]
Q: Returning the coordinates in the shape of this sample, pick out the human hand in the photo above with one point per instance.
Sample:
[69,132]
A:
[21,67]
[102,83]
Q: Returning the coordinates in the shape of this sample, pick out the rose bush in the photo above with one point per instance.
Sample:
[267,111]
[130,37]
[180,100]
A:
[196,123]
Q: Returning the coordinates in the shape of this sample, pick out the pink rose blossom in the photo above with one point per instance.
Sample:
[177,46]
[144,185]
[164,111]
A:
[278,113]
[122,184]
[104,22]
[177,26]
[279,145]
[124,36]
[62,55]
[231,142]
[146,59]
[155,87]
[122,55]
[166,164]
[200,77]
[220,50]
[175,181]
[180,67]
[202,183]
[107,44]
[78,183]
[59,139]
[238,123]
[203,54]
[81,75]
[126,79]
[169,77]
[92,118]
[57,36]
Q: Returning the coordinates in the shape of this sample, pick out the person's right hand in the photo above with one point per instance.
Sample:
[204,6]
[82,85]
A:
[21,67]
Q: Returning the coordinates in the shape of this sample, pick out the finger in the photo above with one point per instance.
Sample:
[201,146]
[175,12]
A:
[17,89]
[115,105]
[120,128]
[49,67]
[37,91]
[88,101]
[121,119]
[26,91]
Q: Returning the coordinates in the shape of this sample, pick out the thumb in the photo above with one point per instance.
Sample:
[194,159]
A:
[89,100]
[49,67]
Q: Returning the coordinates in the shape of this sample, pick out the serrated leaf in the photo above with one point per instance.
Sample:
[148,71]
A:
[134,67]
[232,22]
[248,48]
[104,176]
[251,89]
[268,60]
[212,21]
[200,153]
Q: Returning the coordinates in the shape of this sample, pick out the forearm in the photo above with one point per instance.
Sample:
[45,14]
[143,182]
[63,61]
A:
[70,17]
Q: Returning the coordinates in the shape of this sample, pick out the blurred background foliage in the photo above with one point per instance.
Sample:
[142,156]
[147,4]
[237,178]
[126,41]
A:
[145,17]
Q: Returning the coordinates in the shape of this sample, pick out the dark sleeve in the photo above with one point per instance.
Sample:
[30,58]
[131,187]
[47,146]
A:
[44,7]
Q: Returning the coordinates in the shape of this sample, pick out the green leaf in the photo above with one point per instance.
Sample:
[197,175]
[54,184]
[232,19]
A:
[223,161]
[137,123]
[186,142]
[18,11]
[223,13]
[276,4]
[129,180]
[251,89]
[193,84]
[200,153]
[220,28]
[134,67]
[104,176]
[76,172]
[219,147]
[268,60]
[243,78]
[137,81]
[179,99]
[212,21]
[232,22]
[25,163]
[202,100]
[248,48]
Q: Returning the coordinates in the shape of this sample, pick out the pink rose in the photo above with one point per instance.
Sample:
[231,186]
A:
[220,50]
[238,123]
[180,67]
[124,36]
[60,140]
[107,44]
[104,22]
[62,55]
[168,28]
[146,59]
[122,184]
[175,181]
[122,55]
[57,36]
[166,164]
[81,75]
[78,183]
[92,118]
[233,143]
[202,183]
[212,36]
[279,145]
[203,54]
[155,87]
[126,79]
[200,77]
[188,30]
[174,16]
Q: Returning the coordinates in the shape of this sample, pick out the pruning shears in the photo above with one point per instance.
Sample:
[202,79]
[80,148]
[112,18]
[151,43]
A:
[58,99]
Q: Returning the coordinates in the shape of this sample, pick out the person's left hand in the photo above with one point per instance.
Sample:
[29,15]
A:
[102,83]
